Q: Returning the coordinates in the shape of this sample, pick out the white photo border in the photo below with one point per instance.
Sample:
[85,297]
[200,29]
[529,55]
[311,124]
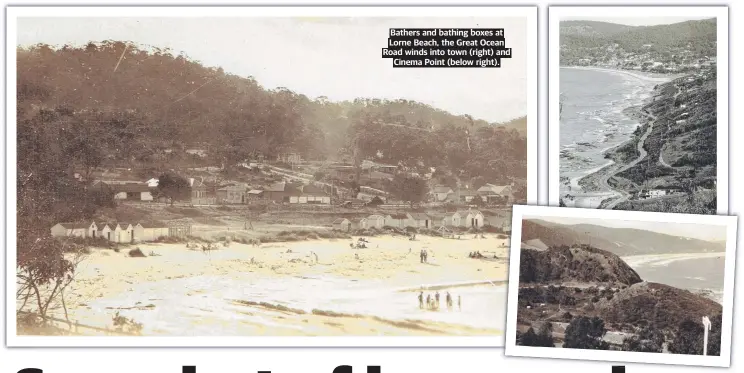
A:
[512,349]
[555,13]
[530,12]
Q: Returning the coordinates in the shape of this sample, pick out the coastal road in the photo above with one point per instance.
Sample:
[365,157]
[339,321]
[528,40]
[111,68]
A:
[604,181]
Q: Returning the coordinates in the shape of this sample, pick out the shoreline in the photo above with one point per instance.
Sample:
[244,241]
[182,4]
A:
[281,289]
[631,73]
[590,192]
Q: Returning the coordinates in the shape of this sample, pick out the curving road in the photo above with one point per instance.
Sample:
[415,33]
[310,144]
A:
[604,181]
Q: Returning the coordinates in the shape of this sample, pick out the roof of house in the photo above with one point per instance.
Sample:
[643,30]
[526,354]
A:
[358,220]
[153,224]
[77,225]
[99,183]
[122,224]
[419,216]
[468,192]
[467,212]
[194,183]
[131,188]
[442,189]
[255,191]
[314,190]
[277,187]
[493,188]
[238,187]
[398,216]
[102,224]
[380,175]
[340,221]
[375,217]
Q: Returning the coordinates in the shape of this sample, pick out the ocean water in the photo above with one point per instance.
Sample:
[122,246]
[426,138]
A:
[205,305]
[692,272]
[592,120]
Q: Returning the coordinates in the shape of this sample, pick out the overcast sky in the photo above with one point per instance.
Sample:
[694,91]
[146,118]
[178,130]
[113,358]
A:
[699,231]
[636,21]
[335,57]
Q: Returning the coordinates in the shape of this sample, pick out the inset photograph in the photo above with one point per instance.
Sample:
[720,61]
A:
[264,177]
[621,286]
[638,108]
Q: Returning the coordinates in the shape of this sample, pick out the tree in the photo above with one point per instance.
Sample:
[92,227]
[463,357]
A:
[173,187]
[542,338]
[44,273]
[714,336]
[411,189]
[586,333]
[688,339]
[477,182]
[647,340]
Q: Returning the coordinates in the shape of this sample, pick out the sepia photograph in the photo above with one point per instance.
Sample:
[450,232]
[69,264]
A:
[638,108]
[258,176]
[623,286]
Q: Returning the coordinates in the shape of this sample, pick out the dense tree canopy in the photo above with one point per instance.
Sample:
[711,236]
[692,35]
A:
[586,333]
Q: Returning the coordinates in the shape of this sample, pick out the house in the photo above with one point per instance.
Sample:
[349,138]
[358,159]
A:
[255,194]
[198,188]
[375,221]
[465,219]
[441,193]
[289,158]
[133,192]
[387,168]
[496,193]
[277,192]
[312,194]
[232,194]
[377,175]
[80,229]
[152,183]
[150,231]
[359,223]
[418,220]
[123,232]
[99,186]
[463,196]
[342,224]
[396,220]
[106,231]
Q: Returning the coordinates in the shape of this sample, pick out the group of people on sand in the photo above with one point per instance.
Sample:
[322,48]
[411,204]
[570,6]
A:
[478,255]
[424,255]
[360,244]
[432,303]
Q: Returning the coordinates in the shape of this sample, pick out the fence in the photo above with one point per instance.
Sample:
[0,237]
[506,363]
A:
[179,230]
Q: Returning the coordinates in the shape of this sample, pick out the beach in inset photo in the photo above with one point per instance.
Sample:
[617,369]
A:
[263,177]
[612,283]
[638,103]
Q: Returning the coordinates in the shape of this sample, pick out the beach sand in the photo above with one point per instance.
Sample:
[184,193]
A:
[274,289]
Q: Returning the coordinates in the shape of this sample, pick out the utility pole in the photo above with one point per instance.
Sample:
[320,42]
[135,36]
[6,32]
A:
[706,328]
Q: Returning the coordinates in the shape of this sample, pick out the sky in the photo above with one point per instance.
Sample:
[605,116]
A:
[691,230]
[339,58]
[636,21]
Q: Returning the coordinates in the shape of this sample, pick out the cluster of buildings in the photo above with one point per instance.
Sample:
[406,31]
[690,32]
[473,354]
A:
[675,60]
[233,193]
[458,219]
[119,232]
[488,194]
